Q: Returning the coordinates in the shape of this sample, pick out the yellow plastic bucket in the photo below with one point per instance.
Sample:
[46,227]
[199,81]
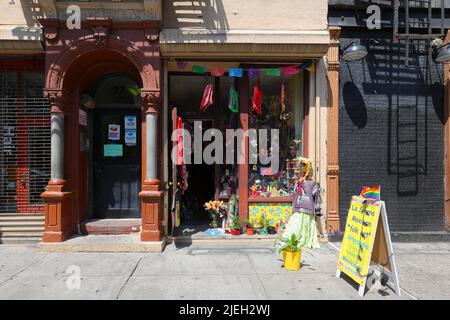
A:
[292,260]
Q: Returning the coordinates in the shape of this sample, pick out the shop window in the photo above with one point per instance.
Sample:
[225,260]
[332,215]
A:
[265,180]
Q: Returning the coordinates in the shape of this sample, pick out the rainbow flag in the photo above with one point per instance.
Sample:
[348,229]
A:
[371,193]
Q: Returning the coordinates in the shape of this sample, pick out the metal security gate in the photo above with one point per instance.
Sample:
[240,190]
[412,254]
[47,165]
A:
[24,142]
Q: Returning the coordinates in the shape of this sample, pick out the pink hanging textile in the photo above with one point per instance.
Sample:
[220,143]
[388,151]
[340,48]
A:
[207,99]
[180,153]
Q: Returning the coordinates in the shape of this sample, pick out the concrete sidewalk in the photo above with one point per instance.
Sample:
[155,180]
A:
[228,271]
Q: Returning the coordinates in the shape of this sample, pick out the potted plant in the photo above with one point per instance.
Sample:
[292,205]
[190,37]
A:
[292,253]
[217,211]
[235,225]
[250,228]
[264,231]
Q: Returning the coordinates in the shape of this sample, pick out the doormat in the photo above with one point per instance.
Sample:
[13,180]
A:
[214,232]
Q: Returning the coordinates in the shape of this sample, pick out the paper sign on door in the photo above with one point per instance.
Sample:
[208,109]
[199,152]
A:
[130,123]
[130,137]
[114,132]
[113,150]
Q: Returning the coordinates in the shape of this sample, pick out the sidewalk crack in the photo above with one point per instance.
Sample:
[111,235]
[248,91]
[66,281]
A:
[128,278]
[259,278]
[23,269]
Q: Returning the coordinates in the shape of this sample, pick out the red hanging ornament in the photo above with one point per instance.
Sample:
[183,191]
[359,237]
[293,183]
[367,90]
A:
[257,100]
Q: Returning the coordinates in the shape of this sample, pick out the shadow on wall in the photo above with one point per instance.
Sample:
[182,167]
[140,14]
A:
[408,93]
[355,105]
[32,12]
[204,15]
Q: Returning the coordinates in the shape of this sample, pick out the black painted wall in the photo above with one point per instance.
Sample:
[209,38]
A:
[391,132]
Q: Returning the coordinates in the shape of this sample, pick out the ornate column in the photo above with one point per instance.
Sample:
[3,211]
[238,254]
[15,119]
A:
[333,132]
[58,212]
[57,139]
[151,194]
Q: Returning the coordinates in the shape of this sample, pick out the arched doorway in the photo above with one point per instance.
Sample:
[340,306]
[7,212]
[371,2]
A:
[95,60]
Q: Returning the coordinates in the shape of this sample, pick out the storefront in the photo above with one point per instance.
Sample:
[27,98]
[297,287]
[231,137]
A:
[271,98]
[293,83]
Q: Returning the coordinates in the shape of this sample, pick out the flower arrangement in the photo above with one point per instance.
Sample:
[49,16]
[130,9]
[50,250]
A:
[216,209]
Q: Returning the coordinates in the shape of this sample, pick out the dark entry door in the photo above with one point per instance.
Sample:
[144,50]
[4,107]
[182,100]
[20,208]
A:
[117,164]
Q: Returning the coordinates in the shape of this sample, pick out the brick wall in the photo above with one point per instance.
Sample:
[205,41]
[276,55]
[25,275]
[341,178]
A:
[391,133]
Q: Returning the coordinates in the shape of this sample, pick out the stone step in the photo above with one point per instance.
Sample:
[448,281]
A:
[111,226]
[25,217]
[20,240]
[21,228]
[21,234]
[20,223]
[18,229]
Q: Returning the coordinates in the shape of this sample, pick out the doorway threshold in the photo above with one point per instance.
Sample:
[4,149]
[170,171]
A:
[111,226]
[203,234]
[104,243]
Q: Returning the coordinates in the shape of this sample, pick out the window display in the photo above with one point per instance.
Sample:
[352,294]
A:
[276,104]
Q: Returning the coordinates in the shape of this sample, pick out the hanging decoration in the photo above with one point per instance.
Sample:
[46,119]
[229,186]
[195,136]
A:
[252,72]
[217,72]
[290,71]
[233,100]
[207,99]
[199,69]
[181,65]
[257,99]
[283,98]
[180,153]
[273,72]
[236,72]
[309,65]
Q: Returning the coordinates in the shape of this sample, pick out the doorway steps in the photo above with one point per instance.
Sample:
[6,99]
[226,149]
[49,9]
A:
[111,226]
[23,228]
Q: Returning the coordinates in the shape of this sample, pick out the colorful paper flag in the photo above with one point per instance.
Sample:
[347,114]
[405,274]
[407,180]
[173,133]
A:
[181,65]
[289,71]
[254,73]
[217,72]
[199,69]
[273,72]
[236,72]
[309,65]
[371,193]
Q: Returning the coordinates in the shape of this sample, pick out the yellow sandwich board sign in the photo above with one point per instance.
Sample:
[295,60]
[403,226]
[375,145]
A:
[367,241]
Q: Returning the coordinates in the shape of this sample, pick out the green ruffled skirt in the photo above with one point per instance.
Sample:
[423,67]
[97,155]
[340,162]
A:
[304,226]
